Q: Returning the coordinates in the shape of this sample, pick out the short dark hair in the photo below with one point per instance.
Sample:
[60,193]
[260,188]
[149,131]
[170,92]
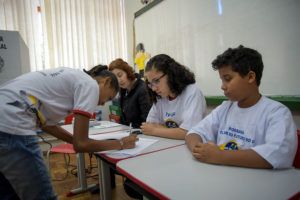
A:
[242,60]
[139,47]
[179,76]
[122,65]
[101,70]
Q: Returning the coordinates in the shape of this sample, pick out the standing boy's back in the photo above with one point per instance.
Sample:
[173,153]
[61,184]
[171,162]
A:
[258,131]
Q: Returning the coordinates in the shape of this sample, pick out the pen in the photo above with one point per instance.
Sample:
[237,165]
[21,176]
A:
[130,128]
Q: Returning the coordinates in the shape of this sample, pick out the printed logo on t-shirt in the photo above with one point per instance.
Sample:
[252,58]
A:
[172,114]
[231,145]
[169,123]
[237,134]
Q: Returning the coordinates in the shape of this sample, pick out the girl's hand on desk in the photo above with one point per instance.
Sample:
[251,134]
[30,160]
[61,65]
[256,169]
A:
[129,141]
[208,152]
[148,128]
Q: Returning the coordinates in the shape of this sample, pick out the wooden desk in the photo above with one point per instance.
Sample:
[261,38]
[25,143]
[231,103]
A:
[175,174]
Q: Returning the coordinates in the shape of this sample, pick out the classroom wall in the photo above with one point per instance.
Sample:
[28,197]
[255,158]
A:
[133,6]
[130,8]
[194,32]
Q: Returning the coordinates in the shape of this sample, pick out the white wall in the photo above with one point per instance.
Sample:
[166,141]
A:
[194,32]
[131,6]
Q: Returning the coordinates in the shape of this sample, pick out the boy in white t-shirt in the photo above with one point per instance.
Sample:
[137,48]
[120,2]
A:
[178,103]
[249,130]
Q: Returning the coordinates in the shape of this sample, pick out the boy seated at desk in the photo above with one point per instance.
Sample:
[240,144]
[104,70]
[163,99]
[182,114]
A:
[249,130]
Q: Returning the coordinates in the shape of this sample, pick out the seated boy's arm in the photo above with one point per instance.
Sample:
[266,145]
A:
[211,153]
[244,158]
[149,128]
[193,139]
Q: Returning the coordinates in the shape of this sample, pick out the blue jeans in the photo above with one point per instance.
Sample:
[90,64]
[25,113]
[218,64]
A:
[23,170]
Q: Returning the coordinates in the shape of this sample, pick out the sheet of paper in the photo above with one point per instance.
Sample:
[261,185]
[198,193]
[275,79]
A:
[106,136]
[141,145]
[105,124]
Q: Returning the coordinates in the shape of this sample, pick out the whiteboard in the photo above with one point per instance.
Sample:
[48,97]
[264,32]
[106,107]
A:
[194,32]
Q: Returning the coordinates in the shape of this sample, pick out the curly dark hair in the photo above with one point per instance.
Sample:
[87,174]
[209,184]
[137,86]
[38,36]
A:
[179,76]
[122,65]
[101,70]
[242,60]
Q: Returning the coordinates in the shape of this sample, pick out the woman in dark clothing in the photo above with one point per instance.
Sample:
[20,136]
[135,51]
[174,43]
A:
[133,102]
[133,97]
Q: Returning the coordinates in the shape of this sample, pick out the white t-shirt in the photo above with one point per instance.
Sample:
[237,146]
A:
[58,92]
[267,127]
[184,111]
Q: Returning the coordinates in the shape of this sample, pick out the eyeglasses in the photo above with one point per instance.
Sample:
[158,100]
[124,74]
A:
[155,82]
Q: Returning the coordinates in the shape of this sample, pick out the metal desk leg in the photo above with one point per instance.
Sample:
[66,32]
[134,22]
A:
[81,177]
[81,170]
[104,180]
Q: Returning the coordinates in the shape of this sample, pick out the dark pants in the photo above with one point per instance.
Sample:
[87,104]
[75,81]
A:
[141,73]
[6,190]
[129,191]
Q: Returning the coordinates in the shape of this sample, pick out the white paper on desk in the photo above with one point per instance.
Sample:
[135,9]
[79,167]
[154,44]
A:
[106,136]
[106,124]
[142,144]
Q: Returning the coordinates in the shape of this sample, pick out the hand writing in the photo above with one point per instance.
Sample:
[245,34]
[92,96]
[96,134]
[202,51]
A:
[129,141]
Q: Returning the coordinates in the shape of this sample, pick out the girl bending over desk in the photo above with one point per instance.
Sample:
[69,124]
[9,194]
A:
[39,100]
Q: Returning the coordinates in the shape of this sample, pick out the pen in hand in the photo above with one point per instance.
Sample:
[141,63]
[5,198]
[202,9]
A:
[134,132]
[130,128]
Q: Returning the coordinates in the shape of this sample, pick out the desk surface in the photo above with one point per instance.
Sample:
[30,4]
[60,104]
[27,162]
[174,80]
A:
[93,130]
[175,174]
[161,144]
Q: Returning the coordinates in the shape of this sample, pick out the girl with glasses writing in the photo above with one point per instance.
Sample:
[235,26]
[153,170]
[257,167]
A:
[178,102]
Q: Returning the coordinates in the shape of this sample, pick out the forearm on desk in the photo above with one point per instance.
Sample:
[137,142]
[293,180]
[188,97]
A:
[192,139]
[243,158]
[210,153]
[59,133]
[90,145]
[84,145]
[82,142]
[172,133]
